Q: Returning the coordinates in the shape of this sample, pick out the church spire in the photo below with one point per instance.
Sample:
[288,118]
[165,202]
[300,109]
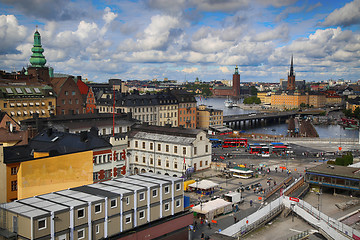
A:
[236,70]
[292,66]
[37,59]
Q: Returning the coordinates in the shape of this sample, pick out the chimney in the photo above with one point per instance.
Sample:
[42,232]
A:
[129,116]
[84,136]
[78,78]
[94,131]
[49,132]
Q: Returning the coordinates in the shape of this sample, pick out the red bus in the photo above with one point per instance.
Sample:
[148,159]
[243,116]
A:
[234,142]
[259,149]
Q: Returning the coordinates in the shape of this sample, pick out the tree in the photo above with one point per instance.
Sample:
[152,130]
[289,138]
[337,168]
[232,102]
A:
[345,160]
[253,91]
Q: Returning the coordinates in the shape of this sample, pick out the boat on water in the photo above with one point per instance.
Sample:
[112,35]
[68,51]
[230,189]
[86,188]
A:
[229,103]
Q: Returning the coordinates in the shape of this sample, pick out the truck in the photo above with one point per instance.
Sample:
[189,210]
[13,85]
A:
[234,197]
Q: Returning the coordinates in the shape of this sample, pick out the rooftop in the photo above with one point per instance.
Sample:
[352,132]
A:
[335,170]
[43,205]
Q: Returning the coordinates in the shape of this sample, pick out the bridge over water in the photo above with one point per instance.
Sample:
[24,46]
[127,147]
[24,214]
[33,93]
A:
[253,119]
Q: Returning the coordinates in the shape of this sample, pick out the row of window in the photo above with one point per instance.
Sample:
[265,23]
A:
[151,146]
[187,118]
[25,104]
[25,113]
[72,93]
[188,111]
[169,114]
[167,162]
[70,101]
[104,158]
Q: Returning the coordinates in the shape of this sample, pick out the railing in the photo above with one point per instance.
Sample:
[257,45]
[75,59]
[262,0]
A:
[330,226]
[300,235]
[275,189]
[254,220]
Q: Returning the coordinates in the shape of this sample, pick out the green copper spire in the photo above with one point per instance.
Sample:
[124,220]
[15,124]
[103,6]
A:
[37,58]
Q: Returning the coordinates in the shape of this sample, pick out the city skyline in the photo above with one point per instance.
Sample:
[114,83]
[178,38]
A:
[186,39]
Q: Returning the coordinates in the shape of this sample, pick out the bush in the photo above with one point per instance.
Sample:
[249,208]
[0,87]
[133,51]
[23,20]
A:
[345,160]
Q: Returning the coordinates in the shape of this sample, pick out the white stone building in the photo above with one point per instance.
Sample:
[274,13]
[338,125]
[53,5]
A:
[167,150]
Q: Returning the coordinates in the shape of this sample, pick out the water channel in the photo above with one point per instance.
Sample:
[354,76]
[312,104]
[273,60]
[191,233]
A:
[324,131]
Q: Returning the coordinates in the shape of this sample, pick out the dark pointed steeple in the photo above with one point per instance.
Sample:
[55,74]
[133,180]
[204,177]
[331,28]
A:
[292,66]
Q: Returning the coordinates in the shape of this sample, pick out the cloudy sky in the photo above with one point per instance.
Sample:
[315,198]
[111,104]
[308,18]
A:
[185,39]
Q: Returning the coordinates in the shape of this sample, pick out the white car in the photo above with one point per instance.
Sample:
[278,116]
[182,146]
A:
[265,155]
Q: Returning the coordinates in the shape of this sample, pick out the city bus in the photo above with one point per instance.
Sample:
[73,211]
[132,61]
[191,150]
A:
[235,142]
[259,149]
[215,143]
[241,172]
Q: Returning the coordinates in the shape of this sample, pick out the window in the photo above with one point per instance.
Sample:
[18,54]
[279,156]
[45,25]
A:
[159,147]
[136,144]
[142,196]
[127,200]
[98,208]
[206,163]
[159,162]
[175,149]
[151,161]
[143,145]
[144,160]
[41,223]
[113,203]
[167,163]
[77,101]
[200,138]
[81,213]
[141,214]
[175,165]
[200,163]
[13,170]
[63,101]
[14,185]
[70,101]
[167,206]
[5,105]
[128,219]
[151,146]
[97,229]
[81,233]
[167,148]
[66,93]
[195,150]
[73,93]
[167,190]
[206,148]
[184,150]
[178,187]
[154,193]
[178,203]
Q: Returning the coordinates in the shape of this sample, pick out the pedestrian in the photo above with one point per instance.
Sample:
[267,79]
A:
[202,235]
[209,225]
[207,238]
[235,219]
[195,225]
[251,202]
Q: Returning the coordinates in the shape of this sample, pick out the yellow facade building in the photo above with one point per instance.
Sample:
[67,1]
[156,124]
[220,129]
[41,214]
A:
[294,100]
[207,117]
[21,102]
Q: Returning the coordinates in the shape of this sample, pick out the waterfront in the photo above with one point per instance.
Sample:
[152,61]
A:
[324,131]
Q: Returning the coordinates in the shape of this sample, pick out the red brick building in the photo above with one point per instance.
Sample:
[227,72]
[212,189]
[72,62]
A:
[233,91]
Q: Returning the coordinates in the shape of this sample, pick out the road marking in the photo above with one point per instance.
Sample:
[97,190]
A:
[295,230]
